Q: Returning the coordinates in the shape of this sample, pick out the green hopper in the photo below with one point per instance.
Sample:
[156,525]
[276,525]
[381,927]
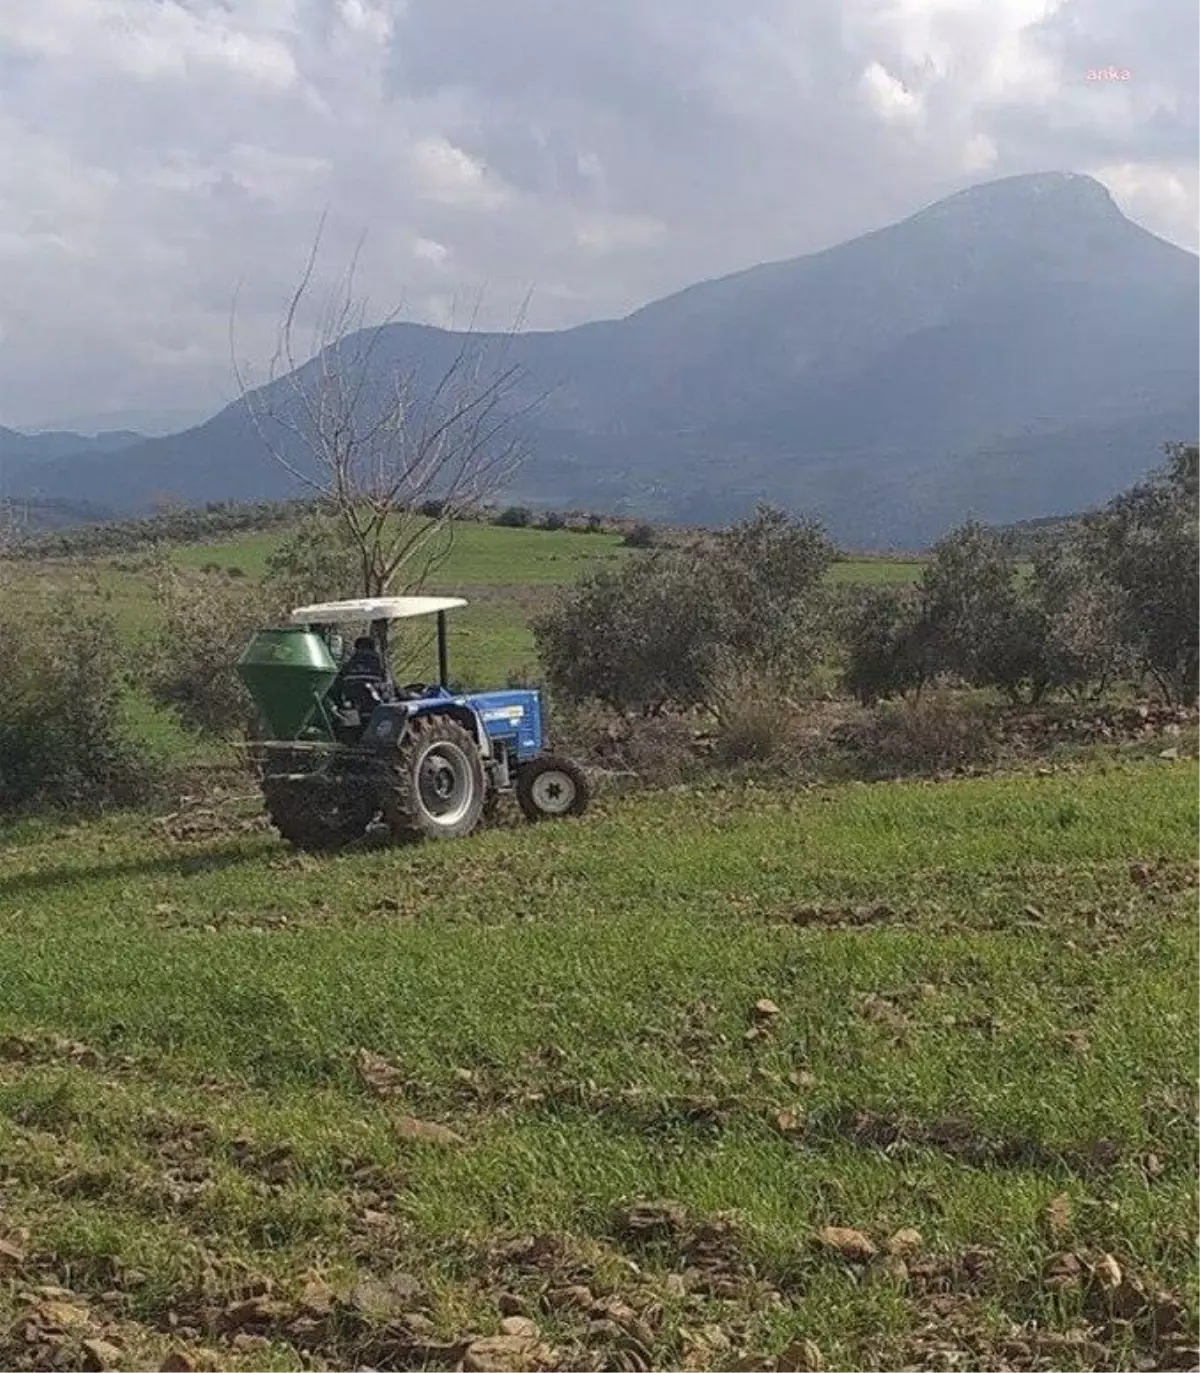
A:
[287,672]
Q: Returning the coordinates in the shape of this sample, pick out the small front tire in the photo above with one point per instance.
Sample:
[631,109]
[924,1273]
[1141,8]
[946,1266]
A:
[552,788]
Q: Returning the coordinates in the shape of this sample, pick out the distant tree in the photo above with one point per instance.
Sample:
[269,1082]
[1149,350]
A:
[637,639]
[890,650]
[1144,544]
[1086,646]
[319,561]
[984,627]
[673,628]
[641,536]
[514,517]
[766,574]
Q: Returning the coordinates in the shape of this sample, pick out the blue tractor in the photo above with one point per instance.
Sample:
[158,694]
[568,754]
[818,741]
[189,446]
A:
[345,745]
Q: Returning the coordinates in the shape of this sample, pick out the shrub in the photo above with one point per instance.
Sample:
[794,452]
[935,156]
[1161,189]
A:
[1086,646]
[765,576]
[641,536]
[889,648]
[63,740]
[1144,544]
[318,562]
[553,520]
[756,716]
[936,735]
[661,631]
[514,517]
[205,625]
[635,638]
[982,626]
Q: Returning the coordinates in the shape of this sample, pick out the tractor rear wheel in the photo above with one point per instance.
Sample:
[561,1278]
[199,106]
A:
[438,788]
[551,788]
[320,813]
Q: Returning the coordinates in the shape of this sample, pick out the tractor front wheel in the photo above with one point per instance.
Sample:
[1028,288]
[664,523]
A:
[320,813]
[551,788]
[438,786]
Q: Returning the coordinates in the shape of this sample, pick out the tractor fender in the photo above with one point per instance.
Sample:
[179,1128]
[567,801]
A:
[388,722]
[465,714]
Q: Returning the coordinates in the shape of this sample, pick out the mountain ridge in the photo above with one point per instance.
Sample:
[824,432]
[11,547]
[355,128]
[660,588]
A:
[963,360]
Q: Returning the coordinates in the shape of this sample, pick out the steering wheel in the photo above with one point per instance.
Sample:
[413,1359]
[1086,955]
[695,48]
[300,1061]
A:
[414,688]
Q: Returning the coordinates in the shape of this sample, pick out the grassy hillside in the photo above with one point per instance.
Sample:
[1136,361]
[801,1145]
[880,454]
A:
[967,1010]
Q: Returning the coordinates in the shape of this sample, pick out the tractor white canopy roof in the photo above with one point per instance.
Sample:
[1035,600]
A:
[377,608]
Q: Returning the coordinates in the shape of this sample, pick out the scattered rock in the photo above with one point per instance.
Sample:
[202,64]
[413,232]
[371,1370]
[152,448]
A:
[245,1343]
[905,1241]
[255,1311]
[388,1297]
[801,1356]
[425,1131]
[1108,1272]
[507,1354]
[572,1298]
[519,1325]
[56,1314]
[378,1075]
[1058,1215]
[178,1361]
[100,1355]
[790,1122]
[850,1244]
[317,1297]
[652,1219]
[1062,1271]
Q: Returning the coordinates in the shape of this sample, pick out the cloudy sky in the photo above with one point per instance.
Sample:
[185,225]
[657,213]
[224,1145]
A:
[158,155]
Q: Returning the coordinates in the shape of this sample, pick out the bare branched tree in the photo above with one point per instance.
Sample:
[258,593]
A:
[396,450]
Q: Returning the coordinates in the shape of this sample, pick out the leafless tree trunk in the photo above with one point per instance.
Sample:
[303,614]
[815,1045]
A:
[395,454]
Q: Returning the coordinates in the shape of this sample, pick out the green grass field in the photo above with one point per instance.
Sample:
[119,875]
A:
[967,1010]
[508,575]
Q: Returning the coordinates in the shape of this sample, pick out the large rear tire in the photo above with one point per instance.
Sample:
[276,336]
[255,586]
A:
[439,788]
[552,788]
[320,813]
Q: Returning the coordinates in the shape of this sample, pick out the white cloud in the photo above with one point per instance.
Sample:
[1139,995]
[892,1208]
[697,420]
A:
[430,250]
[445,173]
[156,153]
[618,233]
[889,97]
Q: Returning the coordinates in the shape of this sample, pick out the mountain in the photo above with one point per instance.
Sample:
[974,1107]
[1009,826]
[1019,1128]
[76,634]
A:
[142,421]
[56,443]
[1019,349]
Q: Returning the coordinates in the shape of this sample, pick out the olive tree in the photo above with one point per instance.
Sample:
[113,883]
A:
[674,626]
[1144,545]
